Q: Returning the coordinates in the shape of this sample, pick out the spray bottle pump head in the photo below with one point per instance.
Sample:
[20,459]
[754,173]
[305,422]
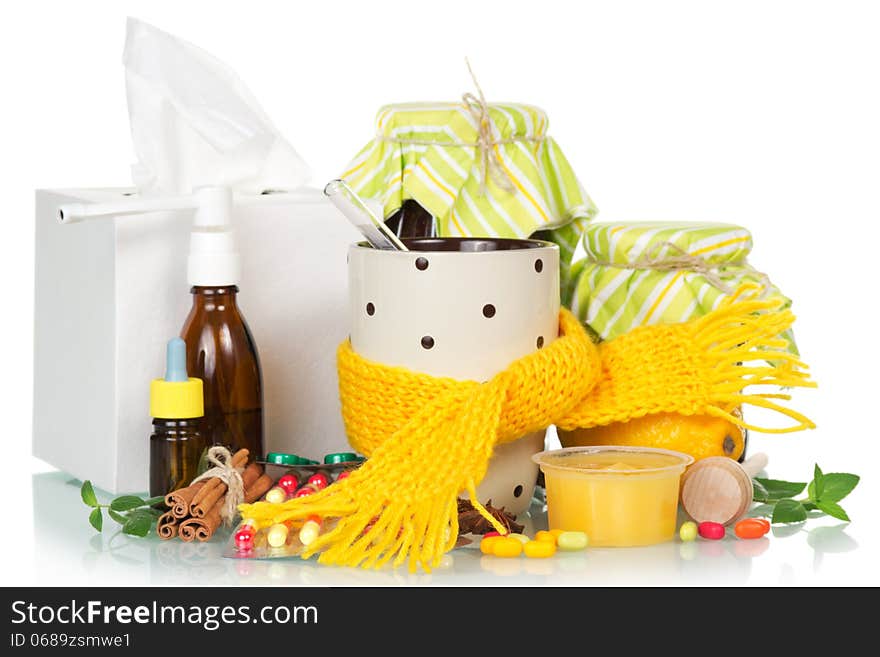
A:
[213,258]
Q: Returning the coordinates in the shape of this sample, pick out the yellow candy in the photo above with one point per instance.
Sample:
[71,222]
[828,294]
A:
[507,546]
[539,549]
[522,539]
[277,535]
[487,543]
[571,541]
[544,535]
[276,496]
[688,531]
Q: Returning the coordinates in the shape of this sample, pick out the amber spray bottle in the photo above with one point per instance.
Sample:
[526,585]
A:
[220,349]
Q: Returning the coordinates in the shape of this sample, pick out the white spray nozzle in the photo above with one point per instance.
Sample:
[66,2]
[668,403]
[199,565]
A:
[213,257]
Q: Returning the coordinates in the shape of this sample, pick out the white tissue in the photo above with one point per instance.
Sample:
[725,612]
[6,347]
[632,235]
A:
[194,123]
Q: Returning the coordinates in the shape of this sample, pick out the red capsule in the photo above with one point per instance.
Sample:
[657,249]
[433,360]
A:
[318,480]
[244,541]
[289,483]
[713,531]
[247,529]
[305,490]
[343,475]
[751,528]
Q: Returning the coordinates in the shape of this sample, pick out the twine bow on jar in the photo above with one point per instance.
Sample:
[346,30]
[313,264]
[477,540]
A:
[490,159]
[681,260]
[485,145]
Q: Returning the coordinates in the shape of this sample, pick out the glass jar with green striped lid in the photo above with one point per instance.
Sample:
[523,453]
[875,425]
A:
[640,273]
[474,169]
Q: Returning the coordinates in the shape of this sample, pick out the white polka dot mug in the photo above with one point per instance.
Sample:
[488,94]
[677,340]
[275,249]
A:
[463,308]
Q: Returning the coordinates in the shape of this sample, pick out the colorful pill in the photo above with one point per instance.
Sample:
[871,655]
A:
[318,480]
[539,549]
[343,475]
[572,541]
[310,530]
[687,532]
[277,535]
[506,546]
[289,483]
[248,527]
[305,490]
[713,531]
[244,541]
[751,528]
[488,542]
[544,535]
[276,495]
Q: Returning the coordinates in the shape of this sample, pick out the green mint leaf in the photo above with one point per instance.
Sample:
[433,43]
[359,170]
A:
[153,501]
[88,494]
[833,509]
[787,511]
[817,486]
[126,503]
[761,494]
[809,506]
[137,524]
[777,489]
[118,517]
[837,485]
[96,519]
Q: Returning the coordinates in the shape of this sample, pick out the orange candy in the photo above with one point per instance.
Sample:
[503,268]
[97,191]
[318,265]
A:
[751,528]
[545,535]
[488,543]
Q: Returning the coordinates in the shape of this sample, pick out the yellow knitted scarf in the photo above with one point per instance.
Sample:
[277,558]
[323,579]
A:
[431,438]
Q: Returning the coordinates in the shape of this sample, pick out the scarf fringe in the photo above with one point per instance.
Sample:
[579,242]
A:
[401,505]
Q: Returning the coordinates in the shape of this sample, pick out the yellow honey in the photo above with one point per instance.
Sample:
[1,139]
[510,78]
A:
[618,496]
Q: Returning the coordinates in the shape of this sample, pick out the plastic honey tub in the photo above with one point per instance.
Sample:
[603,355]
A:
[619,496]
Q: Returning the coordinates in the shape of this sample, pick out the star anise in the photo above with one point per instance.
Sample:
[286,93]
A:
[471,522]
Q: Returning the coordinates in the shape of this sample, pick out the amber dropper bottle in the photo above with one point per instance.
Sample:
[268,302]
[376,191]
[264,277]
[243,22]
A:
[177,407]
[220,349]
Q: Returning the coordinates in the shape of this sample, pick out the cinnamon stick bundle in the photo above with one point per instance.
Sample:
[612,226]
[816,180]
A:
[214,489]
[256,483]
[179,500]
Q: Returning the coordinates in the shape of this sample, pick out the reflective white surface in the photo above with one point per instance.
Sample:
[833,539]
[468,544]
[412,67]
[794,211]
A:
[67,551]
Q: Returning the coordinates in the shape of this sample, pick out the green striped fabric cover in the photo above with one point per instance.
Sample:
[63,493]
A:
[612,298]
[445,176]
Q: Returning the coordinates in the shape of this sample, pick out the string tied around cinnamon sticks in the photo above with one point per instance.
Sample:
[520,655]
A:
[228,473]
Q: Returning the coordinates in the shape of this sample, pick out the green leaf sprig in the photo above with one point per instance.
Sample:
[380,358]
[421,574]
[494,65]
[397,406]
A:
[135,514]
[824,494]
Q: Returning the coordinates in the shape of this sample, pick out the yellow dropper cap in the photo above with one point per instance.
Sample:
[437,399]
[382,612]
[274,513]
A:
[177,396]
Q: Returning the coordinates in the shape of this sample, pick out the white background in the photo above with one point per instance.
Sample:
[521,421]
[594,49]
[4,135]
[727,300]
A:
[762,113]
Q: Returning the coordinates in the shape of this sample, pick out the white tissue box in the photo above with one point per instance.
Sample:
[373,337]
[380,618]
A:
[111,292]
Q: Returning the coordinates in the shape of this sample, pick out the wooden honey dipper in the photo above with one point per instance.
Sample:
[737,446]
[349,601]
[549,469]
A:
[718,489]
